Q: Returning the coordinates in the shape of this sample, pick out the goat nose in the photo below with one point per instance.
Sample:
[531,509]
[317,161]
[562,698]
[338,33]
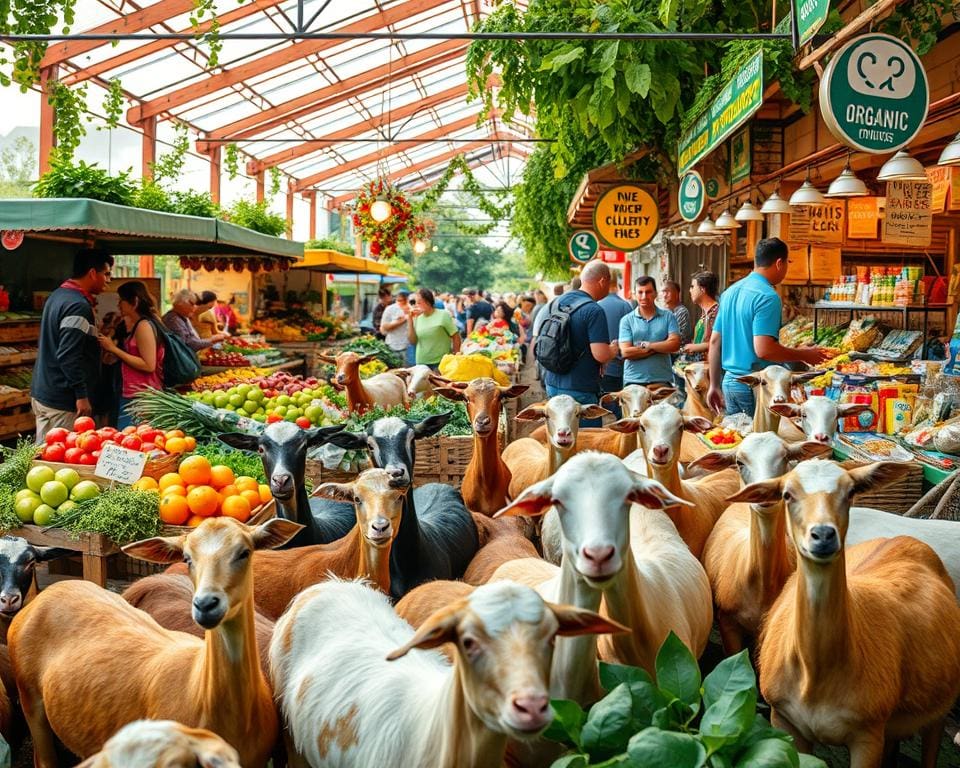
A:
[395,471]
[820,437]
[598,555]
[823,533]
[340,378]
[380,525]
[9,601]
[660,452]
[282,482]
[206,603]
[531,707]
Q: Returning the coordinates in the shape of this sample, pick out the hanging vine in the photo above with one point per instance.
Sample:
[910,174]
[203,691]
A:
[202,9]
[275,178]
[231,161]
[113,104]
[69,106]
[471,186]
[29,17]
[169,164]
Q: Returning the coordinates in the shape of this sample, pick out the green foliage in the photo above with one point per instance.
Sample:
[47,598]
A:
[474,192]
[169,165]
[122,514]
[642,722]
[18,161]
[241,462]
[16,463]
[457,262]
[201,10]
[276,177]
[919,22]
[367,345]
[152,197]
[29,17]
[113,104]
[255,216]
[68,104]
[511,274]
[66,179]
[192,203]
[331,244]
[231,160]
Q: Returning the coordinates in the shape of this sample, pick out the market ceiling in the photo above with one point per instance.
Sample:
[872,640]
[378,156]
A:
[296,89]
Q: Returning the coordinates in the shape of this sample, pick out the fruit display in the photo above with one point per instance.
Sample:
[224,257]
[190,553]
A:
[281,398]
[82,445]
[216,358]
[722,437]
[228,378]
[299,325]
[199,489]
[48,494]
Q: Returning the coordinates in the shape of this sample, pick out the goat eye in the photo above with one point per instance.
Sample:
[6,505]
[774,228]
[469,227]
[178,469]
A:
[241,556]
[261,450]
[187,560]
[787,496]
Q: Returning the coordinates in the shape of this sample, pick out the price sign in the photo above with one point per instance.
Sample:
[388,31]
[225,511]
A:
[909,217]
[120,464]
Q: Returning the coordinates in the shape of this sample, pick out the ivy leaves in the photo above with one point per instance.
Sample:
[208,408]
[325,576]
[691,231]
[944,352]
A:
[68,104]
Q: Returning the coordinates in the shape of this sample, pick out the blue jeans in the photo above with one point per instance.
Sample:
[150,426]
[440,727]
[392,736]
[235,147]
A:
[411,355]
[738,396]
[584,398]
[613,383]
[123,418]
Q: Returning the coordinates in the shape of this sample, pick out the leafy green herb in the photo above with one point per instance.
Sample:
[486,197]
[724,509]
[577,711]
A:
[8,516]
[68,104]
[191,203]
[255,216]
[122,514]
[241,462]
[330,244]
[64,179]
[366,345]
[152,197]
[16,463]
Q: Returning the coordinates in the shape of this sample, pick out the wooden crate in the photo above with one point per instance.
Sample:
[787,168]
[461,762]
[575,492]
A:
[898,497]
[20,358]
[15,398]
[27,330]
[16,422]
[93,548]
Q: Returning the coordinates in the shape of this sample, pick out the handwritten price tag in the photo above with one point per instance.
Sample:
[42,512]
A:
[120,464]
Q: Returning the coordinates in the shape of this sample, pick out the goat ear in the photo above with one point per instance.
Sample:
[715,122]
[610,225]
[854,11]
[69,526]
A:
[533,412]
[788,410]
[507,393]
[610,397]
[439,381]
[275,533]
[51,553]
[758,493]
[451,393]
[534,501]
[750,380]
[321,435]
[652,494]
[403,373]
[714,461]
[799,378]
[363,359]
[438,629]
[429,426]
[240,441]
[350,441]
[656,395]
[627,426]
[159,549]
[578,621]
[875,476]
[697,424]
[852,409]
[807,449]
[593,412]
[335,492]
[327,359]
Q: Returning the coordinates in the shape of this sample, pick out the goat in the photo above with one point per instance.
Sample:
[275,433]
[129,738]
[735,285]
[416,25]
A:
[437,536]
[18,580]
[486,480]
[819,415]
[283,450]
[384,390]
[771,386]
[529,461]
[342,670]
[661,428]
[746,556]
[419,380]
[501,540]
[163,744]
[832,670]
[697,378]
[76,637]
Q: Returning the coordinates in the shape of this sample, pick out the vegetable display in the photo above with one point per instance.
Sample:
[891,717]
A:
[83,444]
[370,345]
[122,514]
[48,494]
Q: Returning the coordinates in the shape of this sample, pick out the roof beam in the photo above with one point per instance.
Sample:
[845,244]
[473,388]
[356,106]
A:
[134,21]
[292,153]
[275,60]
[335,202]
[372,158]
[335,93]
[249,8]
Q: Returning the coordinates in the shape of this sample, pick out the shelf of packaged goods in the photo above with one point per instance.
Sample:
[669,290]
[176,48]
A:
[19,358]
[904,312]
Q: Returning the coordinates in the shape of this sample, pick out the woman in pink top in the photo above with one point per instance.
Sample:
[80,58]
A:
[141,353]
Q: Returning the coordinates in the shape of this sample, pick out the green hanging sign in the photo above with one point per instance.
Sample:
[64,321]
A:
[874,94]
[811,15]
[583,246]
[691,196]
[735,104]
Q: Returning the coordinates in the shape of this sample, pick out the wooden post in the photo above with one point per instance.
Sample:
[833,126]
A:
[148,147]
[48,115]
[311,195]
[215,154]
[261,185]
[289,214]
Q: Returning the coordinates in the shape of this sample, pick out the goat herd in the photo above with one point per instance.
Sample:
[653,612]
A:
[309,637]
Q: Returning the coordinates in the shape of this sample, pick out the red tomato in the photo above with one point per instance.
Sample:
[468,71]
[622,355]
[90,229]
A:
[149,434]
[147,447]
[54,452]
[56,435]
[133,442]
[87,459]
[131,430]
[84,424]
[119,438]
[72,455]
[89,442]
[303,422]
[71,440]
[273,418]
[106,433]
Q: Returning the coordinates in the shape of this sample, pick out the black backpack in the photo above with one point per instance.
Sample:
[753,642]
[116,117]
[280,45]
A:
[554,347]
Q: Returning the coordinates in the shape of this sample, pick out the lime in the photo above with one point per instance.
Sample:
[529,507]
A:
[69,477]
[25,508]
[54,493]
[26,493]
[250,406]
[221,400]
[43,514]
[37,476]
[66,506]
[84,491]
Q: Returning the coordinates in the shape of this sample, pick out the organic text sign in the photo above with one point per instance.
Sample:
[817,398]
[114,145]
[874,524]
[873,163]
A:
[691,196]
[120,464]
[626,217]
[908,219]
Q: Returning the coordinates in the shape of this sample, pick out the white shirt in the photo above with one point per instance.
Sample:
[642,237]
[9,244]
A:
[397,338]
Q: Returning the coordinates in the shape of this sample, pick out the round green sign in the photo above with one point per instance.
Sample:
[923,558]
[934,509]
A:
[874,94]
[691,196]
[713,187]
[583,246]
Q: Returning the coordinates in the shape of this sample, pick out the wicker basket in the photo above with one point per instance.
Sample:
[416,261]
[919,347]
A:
[157,468]
[260,515]
[897,497]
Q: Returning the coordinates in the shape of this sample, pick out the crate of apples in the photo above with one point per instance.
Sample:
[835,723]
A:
[198,490]
[721,437]
[81,445]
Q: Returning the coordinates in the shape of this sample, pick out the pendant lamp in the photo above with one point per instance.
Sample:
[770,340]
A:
[380,210]
[726,221]
[807,194]
[902,167]
[775,204]
[847,184]
[748,212]
[707,227]
[951,153]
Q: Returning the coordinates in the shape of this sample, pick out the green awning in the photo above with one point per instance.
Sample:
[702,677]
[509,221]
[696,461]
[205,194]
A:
[121,229]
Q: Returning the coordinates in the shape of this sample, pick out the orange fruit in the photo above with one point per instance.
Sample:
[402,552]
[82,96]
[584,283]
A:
[265,494]
[252,497]
[174,510]
[194,521]
[159,441]
[191,443]
[203,501]
[229,490]
[146,484]
[174,433]
[245,483]
[237,507]
[220,476]
[171,478]
[195,470]
[192,486]
[174,490]
[177,445]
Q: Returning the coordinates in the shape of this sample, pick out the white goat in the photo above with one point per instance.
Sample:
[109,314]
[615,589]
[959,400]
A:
[419,380]
[163,744]
[771,386]
[819,415]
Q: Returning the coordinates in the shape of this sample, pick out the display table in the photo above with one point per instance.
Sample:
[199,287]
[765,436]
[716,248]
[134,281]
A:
[931,475]
[904,312]
[297,363]
[93,548]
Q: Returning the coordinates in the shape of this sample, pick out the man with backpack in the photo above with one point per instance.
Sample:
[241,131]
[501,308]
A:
[573,340]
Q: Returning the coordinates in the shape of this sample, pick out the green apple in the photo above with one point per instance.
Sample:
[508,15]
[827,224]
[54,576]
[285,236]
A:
[314,413]
[66,506]
[54,493]
[259,417]
[37,476]
[243,390]
[25,508]
[290,416]
[84,491]
[280,410]
[284,400]
[43,514]
[221,400]
[208,398]
[69,477]
[237,401]
[250,406]
[26,493]
[255,394]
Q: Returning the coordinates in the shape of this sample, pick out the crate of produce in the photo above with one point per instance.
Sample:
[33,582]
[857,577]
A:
[259,515]
[897,497]
[14,330]
[17,422]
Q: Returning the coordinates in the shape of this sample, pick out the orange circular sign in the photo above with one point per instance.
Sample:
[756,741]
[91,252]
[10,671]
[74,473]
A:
[626,217]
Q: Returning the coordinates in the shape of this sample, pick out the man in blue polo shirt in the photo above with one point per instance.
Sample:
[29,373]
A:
[746,333]
[648,336]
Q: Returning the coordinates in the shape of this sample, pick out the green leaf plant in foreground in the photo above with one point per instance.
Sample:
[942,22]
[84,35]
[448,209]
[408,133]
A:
[675,721]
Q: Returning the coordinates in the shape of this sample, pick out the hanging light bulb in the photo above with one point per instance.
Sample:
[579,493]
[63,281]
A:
[775,204]
[847,184]
[807,194]
[902,167]
[707,227]
[726,221]
[380,210]
[951,153]
[748,212]
[419,246]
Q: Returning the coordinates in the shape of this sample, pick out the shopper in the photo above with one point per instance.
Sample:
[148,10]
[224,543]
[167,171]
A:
[393,325]
[703,293]
[204,320]
[614,308]
[226,315]
[746,334]
[648,336]
[141,350]
[671,300]
[588,332]
[541,301]
[178,321]
[384,300]
[503,320]
[67,370]
[479,309]
[431,329]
